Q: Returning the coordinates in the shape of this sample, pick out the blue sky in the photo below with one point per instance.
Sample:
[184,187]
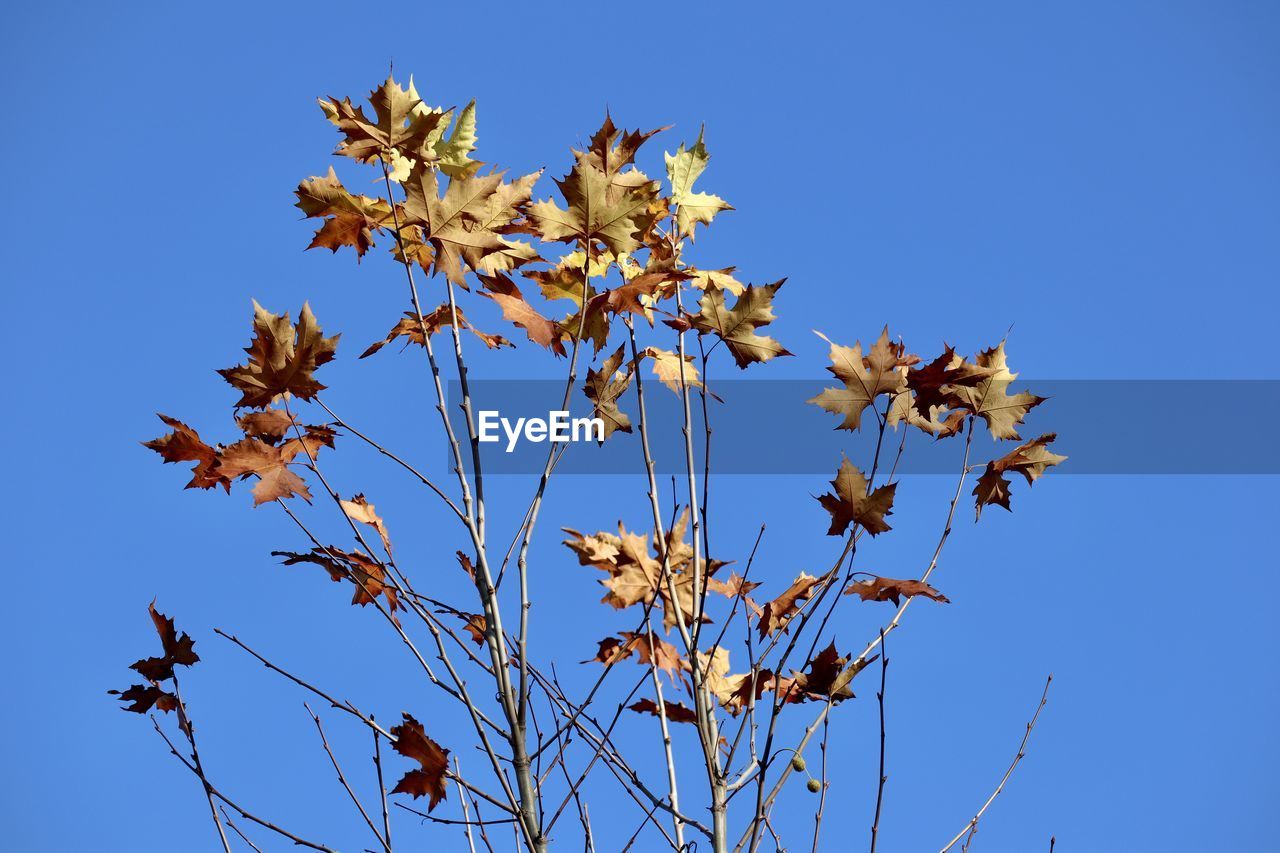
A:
[1100,176]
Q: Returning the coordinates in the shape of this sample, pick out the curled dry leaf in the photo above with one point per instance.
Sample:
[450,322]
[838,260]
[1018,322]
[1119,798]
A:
[1031,460]
[184,444]
[775,615]
[542,331]
[367,575]
[411,330]
[676,712]
[359,509]
[429,779]
[890,589]
[604,388]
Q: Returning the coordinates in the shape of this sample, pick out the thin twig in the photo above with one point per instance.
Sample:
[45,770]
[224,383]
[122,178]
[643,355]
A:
[882,778]
[972,825]
[342,779]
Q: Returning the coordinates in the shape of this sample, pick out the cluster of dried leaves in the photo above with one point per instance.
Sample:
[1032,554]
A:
[605,255]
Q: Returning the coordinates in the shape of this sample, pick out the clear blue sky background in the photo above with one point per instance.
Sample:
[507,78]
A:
[1102,175]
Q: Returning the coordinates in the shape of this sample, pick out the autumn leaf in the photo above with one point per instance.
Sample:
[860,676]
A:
[429,779]
[611,149]
[721,279]
[269,463]
[401,123]
[359,509]
[737,326]
[543,332]
[775,615]
[184,444]
[883,370]
[143,697]
[282,359]
[667,367]
[931,386]
[366,574]
[463,227]
[676,712]
[849,502]
[989,399]
[735,586]
[890,589]
[683,168]
[604,388]
[270,425]
[1031,460]
[349,220]
[612,209]
[410,329]
[827,676]
[649,651]
[178,650]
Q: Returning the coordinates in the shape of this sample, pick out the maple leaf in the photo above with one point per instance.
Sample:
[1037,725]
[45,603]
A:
[891,589]
[941,423]
[600,207]
[721,279]
[676,712]
[850,502]
[453,224]
[883,370]
[1031,460]
[184,444]
[542,331]
[737,326]
[349,220]
[359,509]
[932,385]
[270,425]
[143,697]
[179,650]
[282,359]
[409,328]
[667,367]
[269,463]
[429,779]
[735,586]
[401,123]
[988,398]
[775,615]
[827,676]
[683,168]
[604,389]
[611,149]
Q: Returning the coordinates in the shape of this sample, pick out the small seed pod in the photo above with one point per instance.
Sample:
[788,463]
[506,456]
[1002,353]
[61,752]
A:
[797,764]
[814,785]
